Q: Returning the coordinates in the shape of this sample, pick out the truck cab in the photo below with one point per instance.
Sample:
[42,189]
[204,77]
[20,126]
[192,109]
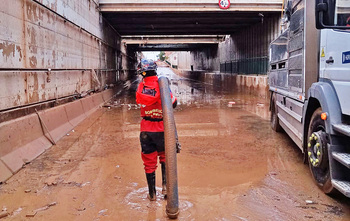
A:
[309,81]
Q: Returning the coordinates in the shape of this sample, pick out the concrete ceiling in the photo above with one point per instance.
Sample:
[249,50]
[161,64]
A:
[188,5]
[170,47]
[182,23]
[150,25]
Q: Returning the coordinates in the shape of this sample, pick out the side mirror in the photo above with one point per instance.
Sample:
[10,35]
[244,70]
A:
[325,13]
[321,8]
[328,17]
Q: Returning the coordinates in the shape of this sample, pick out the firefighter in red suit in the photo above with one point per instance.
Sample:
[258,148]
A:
[152,128]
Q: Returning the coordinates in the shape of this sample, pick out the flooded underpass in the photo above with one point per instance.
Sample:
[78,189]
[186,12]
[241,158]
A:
[232,166]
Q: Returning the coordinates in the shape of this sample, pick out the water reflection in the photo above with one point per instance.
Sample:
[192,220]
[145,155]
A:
[216,92]
[219,103]
[137,201]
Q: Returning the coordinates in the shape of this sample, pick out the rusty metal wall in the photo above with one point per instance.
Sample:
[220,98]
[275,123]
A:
[54,48]
[247,52]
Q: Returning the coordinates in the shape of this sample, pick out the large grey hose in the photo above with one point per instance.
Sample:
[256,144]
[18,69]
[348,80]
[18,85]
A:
[172,207]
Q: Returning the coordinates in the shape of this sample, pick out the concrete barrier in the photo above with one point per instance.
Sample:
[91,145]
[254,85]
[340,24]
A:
[56,122]
[98,99]
[75,112]
[5,172]
[21,141]
[88,105]
[25,138]
[107,94]
[255,85]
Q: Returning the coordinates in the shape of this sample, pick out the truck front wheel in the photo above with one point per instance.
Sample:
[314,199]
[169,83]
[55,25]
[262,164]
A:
[317,151]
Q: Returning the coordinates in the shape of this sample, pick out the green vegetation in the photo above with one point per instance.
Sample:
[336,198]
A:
[162,56]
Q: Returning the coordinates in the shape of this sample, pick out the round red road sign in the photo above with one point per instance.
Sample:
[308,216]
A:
[224,4]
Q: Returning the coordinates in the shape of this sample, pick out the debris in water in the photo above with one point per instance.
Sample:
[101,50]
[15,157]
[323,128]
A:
[240,218]
[231,103]
[84,184]
[42,209]
[52,204]
[333,209]
[102,212]
[4,214]
[17,211]
[309,202]
[81,209]
[117,166]
[51,180]
[32,214]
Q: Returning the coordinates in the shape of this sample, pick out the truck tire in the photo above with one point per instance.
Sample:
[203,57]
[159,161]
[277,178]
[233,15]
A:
[275,123]
[317,152]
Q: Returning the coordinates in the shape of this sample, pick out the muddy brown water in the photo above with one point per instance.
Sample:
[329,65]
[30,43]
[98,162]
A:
[232,167]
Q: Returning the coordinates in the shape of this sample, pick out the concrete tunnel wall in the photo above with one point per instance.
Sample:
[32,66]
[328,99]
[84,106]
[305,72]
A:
[240,62]
[244,52]
[247,52]
[51,50]
[69,37]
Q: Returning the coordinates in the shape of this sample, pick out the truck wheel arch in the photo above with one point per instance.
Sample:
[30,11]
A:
[322,94]
[312,105]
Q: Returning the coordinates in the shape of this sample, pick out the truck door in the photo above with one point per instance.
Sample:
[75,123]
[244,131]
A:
[335,63]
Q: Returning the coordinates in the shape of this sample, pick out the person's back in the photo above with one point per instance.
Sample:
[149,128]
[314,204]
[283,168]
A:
[148,95]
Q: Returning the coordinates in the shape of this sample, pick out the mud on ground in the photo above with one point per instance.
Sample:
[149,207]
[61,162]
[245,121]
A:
[232,167]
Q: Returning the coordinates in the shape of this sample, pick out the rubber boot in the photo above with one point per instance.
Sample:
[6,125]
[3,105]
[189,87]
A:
[151,181]
[164,192]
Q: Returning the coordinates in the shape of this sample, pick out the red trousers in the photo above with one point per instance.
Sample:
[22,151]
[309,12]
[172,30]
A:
[150,160]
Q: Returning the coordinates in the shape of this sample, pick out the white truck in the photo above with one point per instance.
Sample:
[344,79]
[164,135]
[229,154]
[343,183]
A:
[309,80]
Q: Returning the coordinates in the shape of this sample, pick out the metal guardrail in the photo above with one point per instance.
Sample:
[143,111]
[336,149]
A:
[245,66]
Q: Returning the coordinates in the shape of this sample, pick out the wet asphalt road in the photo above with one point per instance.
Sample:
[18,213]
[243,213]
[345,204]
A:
[232,166]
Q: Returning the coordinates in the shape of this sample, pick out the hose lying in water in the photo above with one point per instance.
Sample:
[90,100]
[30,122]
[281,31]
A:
[170,136]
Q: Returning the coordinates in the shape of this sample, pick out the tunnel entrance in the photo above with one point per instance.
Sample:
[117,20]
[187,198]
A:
[226,41]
